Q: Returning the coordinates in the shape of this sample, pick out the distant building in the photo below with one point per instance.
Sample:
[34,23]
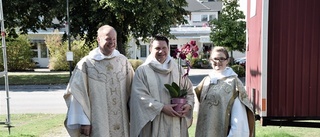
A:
[197,29]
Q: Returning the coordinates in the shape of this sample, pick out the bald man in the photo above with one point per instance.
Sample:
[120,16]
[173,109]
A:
[99,90]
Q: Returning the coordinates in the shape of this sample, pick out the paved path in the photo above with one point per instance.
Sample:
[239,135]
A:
[48,98]
[33,100]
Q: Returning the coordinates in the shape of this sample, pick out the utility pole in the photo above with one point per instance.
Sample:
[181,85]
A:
[5,72]
[69,53]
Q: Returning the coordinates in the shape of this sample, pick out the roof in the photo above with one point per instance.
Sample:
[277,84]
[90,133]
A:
[195,5]
[215,6]
[191,31]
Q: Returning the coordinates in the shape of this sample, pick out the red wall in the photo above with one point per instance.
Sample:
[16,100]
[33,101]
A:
[253,53]
[294,58]
[293,84]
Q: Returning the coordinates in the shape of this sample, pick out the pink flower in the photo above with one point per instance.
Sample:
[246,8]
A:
[195,55]
[186,51]
[183,56]
[192,42]
[195,48]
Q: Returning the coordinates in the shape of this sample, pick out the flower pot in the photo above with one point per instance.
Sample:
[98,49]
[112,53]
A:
[180,102]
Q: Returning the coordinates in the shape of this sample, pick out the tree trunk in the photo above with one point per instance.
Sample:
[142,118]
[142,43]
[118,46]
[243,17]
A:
[231,58]
[121,40]
[121,45]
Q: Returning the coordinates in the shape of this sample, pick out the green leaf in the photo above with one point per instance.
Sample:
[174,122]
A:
[183,93]
[176,87]
[173,92]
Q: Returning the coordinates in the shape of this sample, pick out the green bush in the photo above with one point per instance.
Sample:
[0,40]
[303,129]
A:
[135,63]
[201,63]
[239,70]
[58,50]
[19,54]
[197,63]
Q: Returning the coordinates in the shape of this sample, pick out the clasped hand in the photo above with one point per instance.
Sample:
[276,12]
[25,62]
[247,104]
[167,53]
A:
[168,110]
[85,130]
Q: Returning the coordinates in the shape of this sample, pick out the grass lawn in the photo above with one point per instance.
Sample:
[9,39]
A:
[272,131]
[275,131]
[37,78]
[49,125]
[33,125]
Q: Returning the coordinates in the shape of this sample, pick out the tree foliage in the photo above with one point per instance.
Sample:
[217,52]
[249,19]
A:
[229,29]
[28,15]
[137,18]
[58,50]
[19,54]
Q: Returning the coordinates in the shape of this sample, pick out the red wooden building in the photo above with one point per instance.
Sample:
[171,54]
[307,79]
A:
[283,61]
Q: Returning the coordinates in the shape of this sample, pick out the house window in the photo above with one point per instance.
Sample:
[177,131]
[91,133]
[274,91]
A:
[43,50]
[196,18]
[207,49]
[143,51]
[204,18]
[34,50]
[173,49]
[212,17]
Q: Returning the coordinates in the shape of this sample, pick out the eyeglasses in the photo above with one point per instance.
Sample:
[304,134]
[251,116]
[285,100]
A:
[220,59]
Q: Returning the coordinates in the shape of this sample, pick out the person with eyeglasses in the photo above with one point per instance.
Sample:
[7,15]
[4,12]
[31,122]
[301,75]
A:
[225,109]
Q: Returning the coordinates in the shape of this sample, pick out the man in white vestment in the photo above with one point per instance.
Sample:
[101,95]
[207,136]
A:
[151,113]
[98,92]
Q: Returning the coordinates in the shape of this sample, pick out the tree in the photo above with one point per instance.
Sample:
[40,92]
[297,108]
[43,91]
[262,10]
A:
[28,15]
[137,18]
[229,29]
[58,50]
[19,54]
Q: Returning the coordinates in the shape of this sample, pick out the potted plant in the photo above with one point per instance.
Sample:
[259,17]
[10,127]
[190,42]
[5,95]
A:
[178,92]
[178,96]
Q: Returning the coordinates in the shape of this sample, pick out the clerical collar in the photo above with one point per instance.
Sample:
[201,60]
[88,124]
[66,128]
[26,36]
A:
[96,54]
[153,60]
[215,76]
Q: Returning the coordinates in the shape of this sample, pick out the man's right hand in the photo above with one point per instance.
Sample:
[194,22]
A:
[85,129]
[168,110]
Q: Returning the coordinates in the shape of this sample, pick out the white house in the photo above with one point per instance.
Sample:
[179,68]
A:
[41,52]
[197,30]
